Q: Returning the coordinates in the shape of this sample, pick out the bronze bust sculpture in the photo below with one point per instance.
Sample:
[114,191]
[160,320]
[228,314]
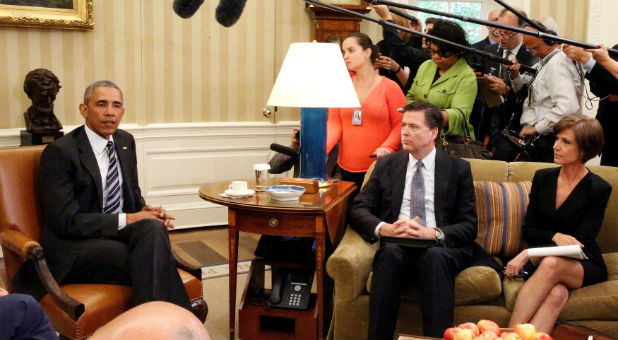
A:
[41,86]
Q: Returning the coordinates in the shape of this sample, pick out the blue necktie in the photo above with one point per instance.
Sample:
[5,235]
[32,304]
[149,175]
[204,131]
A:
[417,195]
[112,183]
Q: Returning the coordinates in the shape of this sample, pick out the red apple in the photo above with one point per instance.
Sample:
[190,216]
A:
[464,334]
[488,325]
[525,330]
[449,333]
[471,326]
[487,335]
[510,336]
[542,336]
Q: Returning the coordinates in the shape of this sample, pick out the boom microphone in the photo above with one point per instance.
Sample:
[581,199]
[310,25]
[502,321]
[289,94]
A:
[286,150]
[186,8]
[228,11]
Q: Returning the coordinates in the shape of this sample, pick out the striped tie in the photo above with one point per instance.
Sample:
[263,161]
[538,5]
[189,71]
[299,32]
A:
[112,183]
[417,196]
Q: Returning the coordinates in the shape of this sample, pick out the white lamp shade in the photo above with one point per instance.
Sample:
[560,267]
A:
[313,75]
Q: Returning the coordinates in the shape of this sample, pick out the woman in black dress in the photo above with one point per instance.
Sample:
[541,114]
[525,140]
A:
[567,206]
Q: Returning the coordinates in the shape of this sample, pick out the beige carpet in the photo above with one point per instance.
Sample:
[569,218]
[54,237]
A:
[216,293]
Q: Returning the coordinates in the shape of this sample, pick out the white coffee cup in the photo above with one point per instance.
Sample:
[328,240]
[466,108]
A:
[238,187]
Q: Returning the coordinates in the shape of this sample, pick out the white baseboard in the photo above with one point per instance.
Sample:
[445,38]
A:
[174,160]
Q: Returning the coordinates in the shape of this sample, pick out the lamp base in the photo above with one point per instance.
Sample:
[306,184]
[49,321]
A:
[313,143]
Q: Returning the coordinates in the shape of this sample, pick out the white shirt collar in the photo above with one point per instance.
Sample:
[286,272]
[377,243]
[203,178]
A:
[97,142]
[429,161]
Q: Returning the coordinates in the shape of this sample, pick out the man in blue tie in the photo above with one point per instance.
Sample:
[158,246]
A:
[419,192]
[96,226]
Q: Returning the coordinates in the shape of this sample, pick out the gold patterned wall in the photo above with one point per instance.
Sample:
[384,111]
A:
[570,15]
[170,69]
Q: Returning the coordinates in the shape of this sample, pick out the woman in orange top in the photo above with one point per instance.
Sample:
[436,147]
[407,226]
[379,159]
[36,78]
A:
[374,129]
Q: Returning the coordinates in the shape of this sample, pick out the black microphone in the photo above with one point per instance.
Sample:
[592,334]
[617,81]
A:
[229,11]
[286,150]
[186,8]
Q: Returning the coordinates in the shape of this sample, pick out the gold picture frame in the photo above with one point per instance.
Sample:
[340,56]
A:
[80,16]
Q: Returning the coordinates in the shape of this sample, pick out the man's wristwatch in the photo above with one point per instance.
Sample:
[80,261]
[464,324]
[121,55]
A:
[439,234]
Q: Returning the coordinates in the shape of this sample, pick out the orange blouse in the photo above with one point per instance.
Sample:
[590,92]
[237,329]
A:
[380,127]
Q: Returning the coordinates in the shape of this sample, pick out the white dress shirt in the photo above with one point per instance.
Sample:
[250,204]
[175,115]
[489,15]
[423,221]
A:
[554,93]
[99,147]
[428,170]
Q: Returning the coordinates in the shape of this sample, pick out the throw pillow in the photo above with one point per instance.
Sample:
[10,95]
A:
[501,208]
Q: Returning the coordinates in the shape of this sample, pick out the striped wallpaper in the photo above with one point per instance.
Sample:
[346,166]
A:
[181,71]
[171,70]
[570,15]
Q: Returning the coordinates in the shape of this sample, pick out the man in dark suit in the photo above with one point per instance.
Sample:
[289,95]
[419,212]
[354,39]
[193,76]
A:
[96,225]
[511,47]
[420,192]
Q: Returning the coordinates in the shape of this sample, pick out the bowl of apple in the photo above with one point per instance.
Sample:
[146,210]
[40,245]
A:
[489,330]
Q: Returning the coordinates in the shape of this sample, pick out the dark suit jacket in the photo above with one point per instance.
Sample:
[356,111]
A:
[380,199]
[72,199]
[580,216]
[484,44]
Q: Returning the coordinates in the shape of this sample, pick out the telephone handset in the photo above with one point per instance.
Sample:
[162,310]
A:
[291,288]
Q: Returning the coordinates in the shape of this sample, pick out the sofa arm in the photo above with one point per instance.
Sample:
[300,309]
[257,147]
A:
[350,265]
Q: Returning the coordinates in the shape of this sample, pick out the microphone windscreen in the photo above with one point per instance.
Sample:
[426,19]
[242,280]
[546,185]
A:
[228,11]
[186,8]
[286,150]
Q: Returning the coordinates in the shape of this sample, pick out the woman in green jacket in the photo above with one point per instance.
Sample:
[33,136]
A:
[446,80]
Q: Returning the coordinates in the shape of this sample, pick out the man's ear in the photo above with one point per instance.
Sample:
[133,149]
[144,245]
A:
[434,133]
[83,109]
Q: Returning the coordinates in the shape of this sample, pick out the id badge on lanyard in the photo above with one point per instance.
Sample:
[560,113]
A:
[357,117]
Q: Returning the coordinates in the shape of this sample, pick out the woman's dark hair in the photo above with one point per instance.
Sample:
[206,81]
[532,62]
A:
[365,42]
[588,134]
[449,30]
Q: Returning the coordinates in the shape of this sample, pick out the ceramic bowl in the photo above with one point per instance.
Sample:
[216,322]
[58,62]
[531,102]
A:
[285,192]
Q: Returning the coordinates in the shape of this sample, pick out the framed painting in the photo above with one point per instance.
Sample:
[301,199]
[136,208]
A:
[66,14]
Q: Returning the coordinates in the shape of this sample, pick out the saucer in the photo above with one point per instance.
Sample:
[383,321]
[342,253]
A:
[248,193]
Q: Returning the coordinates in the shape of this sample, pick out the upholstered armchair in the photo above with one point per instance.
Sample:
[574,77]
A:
[75,310]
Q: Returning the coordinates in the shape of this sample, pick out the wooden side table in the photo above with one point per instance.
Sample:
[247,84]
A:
[318,215]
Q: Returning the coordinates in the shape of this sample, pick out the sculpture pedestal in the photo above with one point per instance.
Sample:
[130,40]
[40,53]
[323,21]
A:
[38,138]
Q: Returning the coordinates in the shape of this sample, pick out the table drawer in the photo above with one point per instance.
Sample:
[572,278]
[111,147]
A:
[277,223]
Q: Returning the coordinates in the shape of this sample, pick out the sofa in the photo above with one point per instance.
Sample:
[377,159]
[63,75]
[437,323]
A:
[480,293]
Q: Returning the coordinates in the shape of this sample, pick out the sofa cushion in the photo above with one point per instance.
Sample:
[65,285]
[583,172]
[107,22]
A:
[595,302]
[501,208]
[473,285]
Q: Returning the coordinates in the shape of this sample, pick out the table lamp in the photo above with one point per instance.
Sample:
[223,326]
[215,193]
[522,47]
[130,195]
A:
[313,77]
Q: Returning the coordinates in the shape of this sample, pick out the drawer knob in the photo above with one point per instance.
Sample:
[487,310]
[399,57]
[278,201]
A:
[273,222]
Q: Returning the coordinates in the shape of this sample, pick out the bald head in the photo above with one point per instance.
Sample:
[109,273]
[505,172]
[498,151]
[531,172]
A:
[153,320]
[493,17]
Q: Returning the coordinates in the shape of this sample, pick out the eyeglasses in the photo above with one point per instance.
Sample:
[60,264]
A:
[507,34]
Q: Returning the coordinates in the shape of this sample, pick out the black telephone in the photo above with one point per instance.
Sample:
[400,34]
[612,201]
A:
[291,288]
